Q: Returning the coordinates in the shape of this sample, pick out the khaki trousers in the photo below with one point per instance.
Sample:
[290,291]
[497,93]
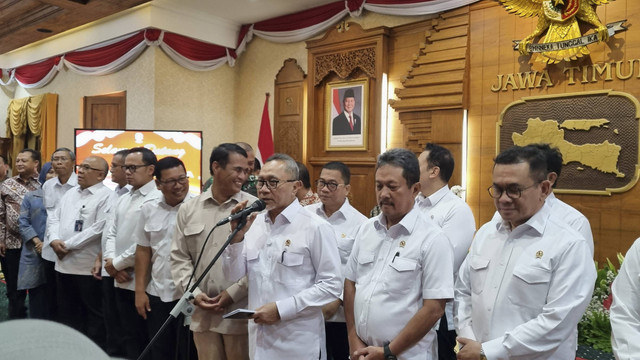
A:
[214,346]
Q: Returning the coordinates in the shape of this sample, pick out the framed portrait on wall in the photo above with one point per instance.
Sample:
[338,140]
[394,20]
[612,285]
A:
[346,115]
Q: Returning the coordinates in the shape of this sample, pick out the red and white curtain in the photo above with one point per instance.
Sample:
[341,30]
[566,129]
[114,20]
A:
[111,56]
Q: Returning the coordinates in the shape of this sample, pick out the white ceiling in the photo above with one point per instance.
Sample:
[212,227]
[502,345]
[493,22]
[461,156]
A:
[213,21]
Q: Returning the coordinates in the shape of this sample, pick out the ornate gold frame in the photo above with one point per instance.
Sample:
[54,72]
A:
[609,92]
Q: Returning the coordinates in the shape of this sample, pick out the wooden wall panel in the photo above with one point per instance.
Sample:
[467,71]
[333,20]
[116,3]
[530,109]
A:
[615,219]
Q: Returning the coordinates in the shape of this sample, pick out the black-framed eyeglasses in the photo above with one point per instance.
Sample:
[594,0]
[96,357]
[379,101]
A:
[271,183]
[86,167]
[331,185]
[172,182]
[133,168]
[514,191]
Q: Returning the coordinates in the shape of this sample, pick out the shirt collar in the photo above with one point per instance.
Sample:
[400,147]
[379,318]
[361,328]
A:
[31,178]
[72,181]
[407,223]
[342,211]
[92,189]
[163,202]
[208,196]
[537,222]
[289,213]
[146,188]
[431,200]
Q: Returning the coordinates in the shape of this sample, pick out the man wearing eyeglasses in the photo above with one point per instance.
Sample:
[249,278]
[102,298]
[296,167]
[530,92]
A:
[75,229]
[156,293]
[333,186]
[291,260]
[528,277]
[455,219]
[120,246]
[63,162]
[214,337]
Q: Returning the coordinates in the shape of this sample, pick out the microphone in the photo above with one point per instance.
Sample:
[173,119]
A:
[258,205]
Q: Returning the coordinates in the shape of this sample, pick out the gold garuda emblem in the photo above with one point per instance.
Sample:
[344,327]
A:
[560,19]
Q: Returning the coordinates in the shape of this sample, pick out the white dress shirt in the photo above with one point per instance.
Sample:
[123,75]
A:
[155,230]
[625,310]
[521,293]
[293,262]
[345,222]
[109,210]
[53,191]
[120,245]
[456,220]
[86,206]
[567,214]
[394,270]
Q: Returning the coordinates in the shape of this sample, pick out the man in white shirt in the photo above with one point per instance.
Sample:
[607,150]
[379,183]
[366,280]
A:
[113,326]
[119,251]
[214,337]
[63,162]
[75,230]
[625,309]
[156,293]
[333,189]
[527,280]
[454,217]
[293,267]
[400,272]
[561,211]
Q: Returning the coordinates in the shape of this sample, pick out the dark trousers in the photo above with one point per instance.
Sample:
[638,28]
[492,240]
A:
[51,288]
[38,308]
[134,328]
[446,341]
[337,340]
[114,339]
[173,340]
[10,264]
[80,305]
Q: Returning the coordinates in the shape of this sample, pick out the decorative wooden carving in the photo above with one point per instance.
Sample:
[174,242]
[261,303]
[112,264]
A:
[344,64]
[345,53]
[289,109]
[436,80]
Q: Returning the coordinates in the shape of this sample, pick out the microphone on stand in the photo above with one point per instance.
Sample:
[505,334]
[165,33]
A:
[258,205]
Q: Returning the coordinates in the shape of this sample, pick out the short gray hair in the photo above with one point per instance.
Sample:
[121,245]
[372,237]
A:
[71,154]
[290,165]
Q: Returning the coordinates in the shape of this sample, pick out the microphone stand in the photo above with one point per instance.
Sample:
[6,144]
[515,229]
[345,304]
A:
[184,305]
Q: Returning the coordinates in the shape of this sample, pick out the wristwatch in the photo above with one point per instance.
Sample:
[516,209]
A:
[387,352]
[482,355]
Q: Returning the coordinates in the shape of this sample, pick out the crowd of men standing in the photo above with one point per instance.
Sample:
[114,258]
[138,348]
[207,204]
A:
[324,281]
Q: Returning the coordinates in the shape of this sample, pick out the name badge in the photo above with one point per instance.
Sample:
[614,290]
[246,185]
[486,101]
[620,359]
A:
[78,226]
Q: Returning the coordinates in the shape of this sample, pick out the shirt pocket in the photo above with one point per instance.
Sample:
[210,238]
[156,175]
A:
[344,248]
[401,276]
[289,269]
[529,286]
[192,233]
[156,235]
[364,267]
[479,267]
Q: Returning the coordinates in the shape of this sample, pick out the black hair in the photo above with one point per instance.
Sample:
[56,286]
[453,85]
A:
[148,157]
[529,154]
[404,159]
[342,167]
[303,175]
[220,154]
[168,162]
[441,157]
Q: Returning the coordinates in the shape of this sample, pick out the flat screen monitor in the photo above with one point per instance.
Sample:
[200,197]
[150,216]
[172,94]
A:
[185,145]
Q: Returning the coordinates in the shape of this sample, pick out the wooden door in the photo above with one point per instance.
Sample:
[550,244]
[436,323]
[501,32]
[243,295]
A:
[106,111]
